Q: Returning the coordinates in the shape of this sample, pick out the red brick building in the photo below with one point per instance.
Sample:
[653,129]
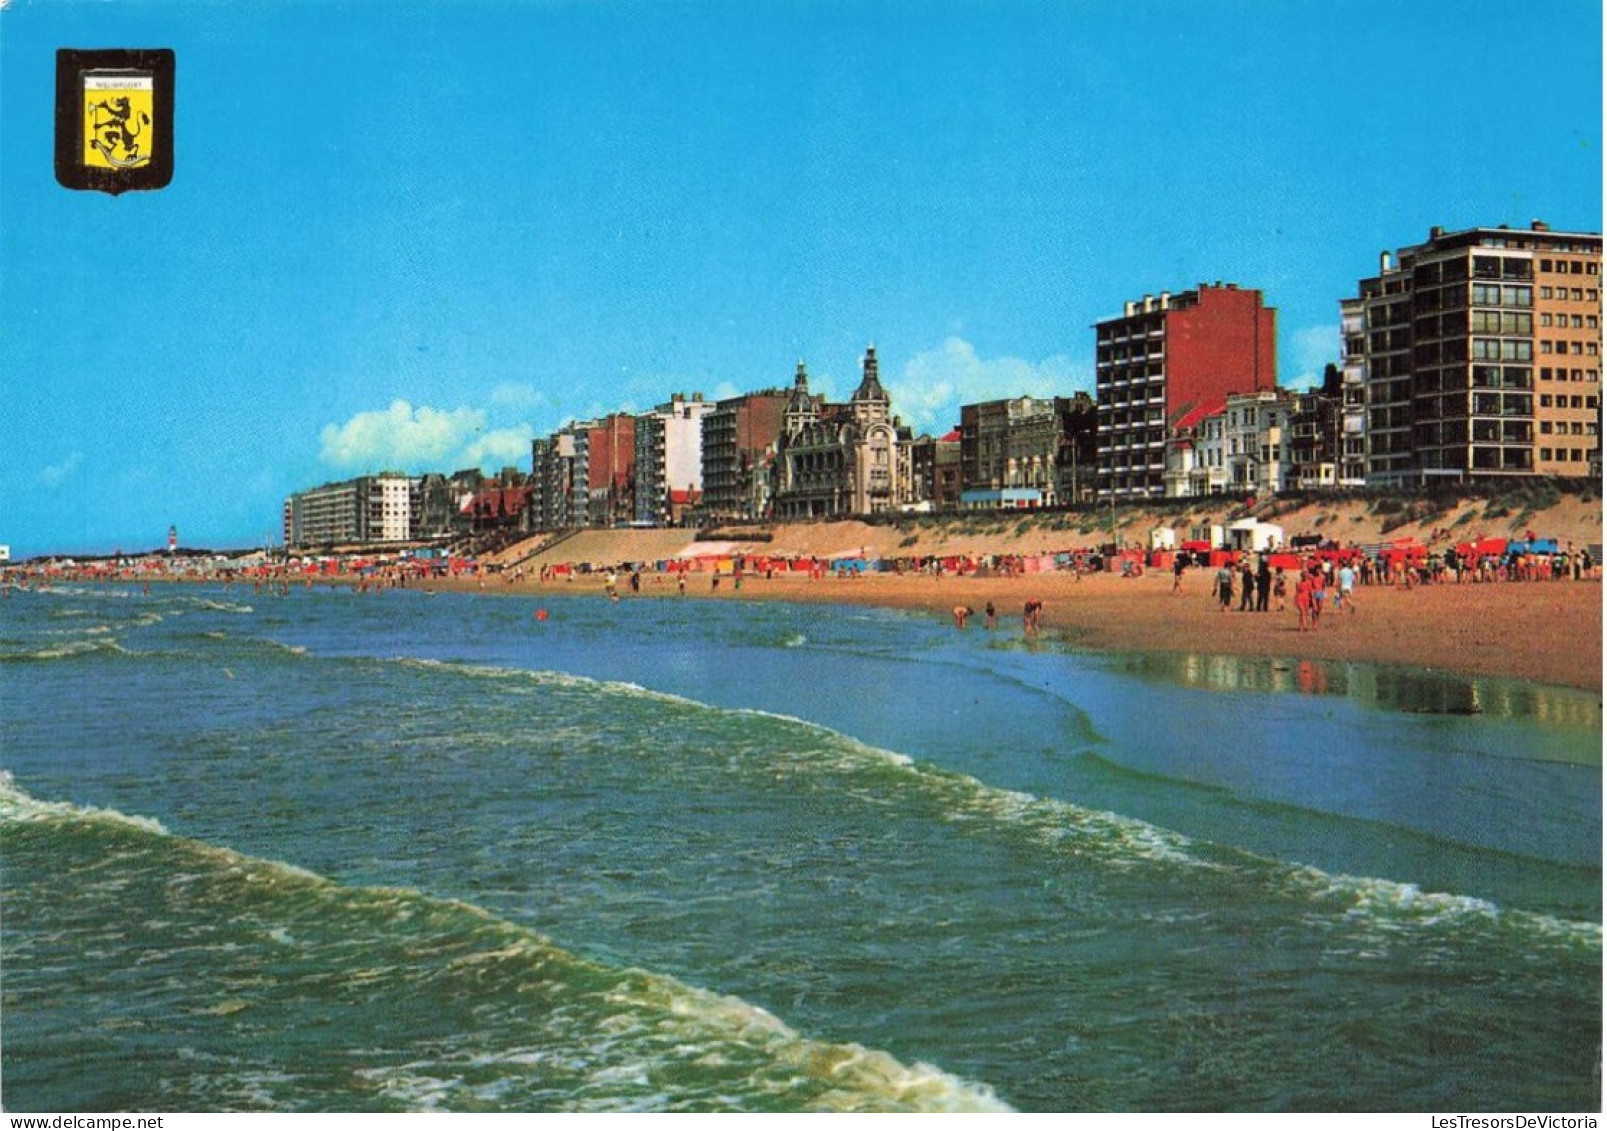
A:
[1165,356]
[611,469]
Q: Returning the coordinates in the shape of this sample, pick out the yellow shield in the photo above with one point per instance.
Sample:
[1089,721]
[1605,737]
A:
[119,120]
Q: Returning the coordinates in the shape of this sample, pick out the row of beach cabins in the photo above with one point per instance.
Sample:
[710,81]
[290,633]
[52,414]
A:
[1399,561]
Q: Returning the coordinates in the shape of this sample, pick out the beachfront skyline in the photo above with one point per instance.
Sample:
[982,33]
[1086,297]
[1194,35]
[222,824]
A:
[418,237]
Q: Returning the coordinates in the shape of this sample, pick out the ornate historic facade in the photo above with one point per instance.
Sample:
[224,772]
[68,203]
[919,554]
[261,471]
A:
[836,460]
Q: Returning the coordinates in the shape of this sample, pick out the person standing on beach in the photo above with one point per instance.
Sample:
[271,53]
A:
[1303,600]
[1246,587]
[1347,586]
[1263,584]
[1179,564]
[1029,617]
[1224,586]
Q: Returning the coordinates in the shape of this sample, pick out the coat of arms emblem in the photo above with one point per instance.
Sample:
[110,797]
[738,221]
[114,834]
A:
[114,119]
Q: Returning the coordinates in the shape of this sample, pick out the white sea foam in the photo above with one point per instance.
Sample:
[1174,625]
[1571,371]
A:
[17,804]
[1392,907]
[67,650]
[1117,841]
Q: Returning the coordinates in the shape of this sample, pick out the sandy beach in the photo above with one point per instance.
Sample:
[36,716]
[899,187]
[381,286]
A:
[1549,632]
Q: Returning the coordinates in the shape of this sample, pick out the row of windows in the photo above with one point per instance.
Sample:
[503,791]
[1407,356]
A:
[1564,455]
[1500,322]
[1549,401]
[1577,349]
[1567,428]
[1575,294]
[1577,321]
[1498,267]
[1570,267]
[1591,375]
[1488,294]
[1493,349]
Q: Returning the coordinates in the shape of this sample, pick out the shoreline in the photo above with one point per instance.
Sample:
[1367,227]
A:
[1541,631]
[1547,632]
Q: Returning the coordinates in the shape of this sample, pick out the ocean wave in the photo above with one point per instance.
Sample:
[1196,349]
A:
[540,1027]
[17,805]
[1087,835]
[1391,906]
[66,650]
[218,606]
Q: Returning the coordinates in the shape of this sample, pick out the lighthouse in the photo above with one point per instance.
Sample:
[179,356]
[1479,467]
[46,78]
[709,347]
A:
[172,538]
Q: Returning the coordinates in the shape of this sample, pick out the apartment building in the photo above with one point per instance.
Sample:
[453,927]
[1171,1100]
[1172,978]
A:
[369,508]
[739,444]
[1163,358]
[669,458]
[1480,354]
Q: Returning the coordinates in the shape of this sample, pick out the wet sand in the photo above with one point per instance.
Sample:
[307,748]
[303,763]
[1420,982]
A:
[1547,632]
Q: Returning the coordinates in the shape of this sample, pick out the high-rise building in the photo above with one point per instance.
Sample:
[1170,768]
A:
[611,470]
[669,458]
[1161,359]
[560,473]
[1480,353]
[739,443]
[370,508]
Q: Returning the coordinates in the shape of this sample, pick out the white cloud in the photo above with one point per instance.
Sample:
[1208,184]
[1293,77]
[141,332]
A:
[56,472]
[517,396]
[401,438]
[935,383]
[506,447]
[1311,349]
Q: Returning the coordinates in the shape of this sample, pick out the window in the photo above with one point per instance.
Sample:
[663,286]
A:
[1545,320]
[1545,453]
[1545,400]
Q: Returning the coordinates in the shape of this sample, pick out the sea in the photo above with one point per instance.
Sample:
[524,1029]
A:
[394,851]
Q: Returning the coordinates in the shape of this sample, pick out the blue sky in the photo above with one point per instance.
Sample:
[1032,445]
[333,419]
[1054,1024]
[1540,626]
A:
[416,234]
